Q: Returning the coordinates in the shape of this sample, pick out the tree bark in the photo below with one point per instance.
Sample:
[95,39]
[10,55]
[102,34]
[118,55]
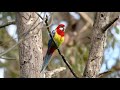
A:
[98,41]
[30,49]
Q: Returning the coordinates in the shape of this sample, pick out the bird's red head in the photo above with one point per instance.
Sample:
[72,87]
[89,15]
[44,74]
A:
[60,29]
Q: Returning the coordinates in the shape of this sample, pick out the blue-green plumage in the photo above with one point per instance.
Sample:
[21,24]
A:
[46,61]
[48,54]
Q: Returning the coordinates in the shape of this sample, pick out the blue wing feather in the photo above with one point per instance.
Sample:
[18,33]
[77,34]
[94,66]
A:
[53,32]
[48,55]
[46,61]
[51,41]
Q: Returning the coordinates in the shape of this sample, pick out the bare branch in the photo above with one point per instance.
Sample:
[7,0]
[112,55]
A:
[84,28]
[7,58]
[21,39]
[86,17]
[104,73]
[51,20]
[89,22]
[7,24]
[49,74]
[40,16]
[115,74]
[110,24]
[3,53]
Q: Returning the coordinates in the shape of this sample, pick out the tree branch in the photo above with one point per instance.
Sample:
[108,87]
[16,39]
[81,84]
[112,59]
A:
[115,74]
[49,74]
[104,73]
[7,58]
[63,58]
[21,39]
[108,25]
[98,41]
[3,53]
[7,24]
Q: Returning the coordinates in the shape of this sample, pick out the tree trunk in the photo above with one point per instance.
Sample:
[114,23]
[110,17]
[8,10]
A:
[30,49]
[98,41]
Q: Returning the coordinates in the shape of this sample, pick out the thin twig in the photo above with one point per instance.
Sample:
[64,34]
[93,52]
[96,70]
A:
[110,24]
[7,24]
[104,73]
[39,16]
[21,39]
[7,58]
[63,58]
[3,53]
[44,18]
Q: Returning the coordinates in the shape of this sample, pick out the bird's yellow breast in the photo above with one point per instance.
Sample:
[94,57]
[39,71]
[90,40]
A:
[59,40]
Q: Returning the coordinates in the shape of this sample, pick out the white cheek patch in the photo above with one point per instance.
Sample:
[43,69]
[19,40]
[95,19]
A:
[61,28]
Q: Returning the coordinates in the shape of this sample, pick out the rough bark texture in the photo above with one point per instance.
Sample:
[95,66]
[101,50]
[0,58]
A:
[30,50]
[98,41]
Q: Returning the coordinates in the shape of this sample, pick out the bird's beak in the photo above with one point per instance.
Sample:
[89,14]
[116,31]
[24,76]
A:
[63,29]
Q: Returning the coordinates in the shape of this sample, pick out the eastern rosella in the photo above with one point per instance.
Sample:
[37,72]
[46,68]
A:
[58,36]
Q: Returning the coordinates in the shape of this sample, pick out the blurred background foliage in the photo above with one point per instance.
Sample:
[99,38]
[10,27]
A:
[75,47]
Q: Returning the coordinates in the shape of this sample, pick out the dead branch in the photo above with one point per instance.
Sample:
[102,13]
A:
[89,21]
[49,74]
[22,37]
[86,17]
[7,24]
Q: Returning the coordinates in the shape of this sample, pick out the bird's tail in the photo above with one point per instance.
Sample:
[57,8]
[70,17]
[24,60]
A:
[46,61]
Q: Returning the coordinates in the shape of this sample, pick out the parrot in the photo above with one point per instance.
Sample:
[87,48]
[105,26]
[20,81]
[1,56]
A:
[58,36]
